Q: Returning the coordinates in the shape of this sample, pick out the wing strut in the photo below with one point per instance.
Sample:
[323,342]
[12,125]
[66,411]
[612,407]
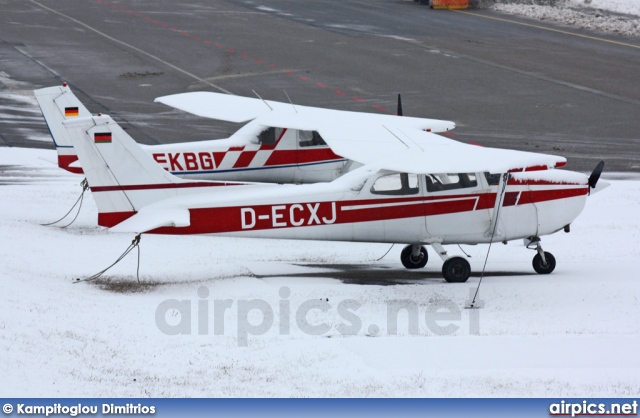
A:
[494,223]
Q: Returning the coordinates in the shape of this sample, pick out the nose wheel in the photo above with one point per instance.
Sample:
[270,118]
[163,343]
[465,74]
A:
[546,265]
[414,256]
[543,262]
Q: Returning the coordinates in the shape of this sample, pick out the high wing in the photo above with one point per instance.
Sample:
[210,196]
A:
[244,109]
[385,141]
[388,143]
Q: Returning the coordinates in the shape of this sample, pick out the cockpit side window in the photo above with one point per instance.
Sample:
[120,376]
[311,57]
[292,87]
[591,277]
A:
[397,184]
[310,139]
[269,136]
[450,181]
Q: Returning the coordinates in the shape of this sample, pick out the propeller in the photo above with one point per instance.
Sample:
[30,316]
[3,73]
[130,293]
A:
[399,106]
[595,175]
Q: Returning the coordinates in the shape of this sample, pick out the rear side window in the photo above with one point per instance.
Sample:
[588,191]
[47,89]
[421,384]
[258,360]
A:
[450,181]
[310,139]
[396,184]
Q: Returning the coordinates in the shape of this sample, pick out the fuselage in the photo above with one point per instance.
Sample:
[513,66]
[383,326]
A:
[387,207]
[279,156]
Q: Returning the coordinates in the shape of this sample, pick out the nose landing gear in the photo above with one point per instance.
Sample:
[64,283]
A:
[543,262]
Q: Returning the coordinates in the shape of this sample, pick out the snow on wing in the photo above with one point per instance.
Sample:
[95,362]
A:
[219,106]
[243,109]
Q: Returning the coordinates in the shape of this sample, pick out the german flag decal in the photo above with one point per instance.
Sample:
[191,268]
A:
[102,137]
[70,112]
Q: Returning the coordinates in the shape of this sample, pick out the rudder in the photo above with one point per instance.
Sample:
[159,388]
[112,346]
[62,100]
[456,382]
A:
[58,104]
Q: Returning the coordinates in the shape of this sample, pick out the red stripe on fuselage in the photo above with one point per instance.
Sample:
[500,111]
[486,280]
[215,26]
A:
[510,198]
[289,157]
[536,196]
[245,159]
[316,154]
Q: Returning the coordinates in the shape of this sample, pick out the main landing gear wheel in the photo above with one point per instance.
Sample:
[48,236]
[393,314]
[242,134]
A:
[456,270]
[414,262]
[542,267]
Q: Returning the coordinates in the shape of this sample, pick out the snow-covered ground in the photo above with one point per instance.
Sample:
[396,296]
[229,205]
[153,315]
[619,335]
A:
[621,17]
[572,333]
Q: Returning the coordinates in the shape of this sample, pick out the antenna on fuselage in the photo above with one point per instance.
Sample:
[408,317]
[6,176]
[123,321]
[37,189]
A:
[263,100]
[294,107]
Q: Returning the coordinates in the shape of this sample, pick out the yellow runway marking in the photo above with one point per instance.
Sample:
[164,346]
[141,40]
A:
[550,29]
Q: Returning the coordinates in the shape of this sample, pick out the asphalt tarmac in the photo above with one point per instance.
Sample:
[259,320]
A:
[507,82]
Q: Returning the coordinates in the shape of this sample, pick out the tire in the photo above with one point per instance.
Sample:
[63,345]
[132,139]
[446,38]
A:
[456,270]
[410,262]
[542,268]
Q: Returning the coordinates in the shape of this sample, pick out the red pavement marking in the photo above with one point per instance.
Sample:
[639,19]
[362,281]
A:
[232,51]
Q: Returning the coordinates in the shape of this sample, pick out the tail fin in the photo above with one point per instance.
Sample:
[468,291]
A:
[58,104]
[123,178]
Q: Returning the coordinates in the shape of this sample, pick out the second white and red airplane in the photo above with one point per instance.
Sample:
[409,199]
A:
[256,152]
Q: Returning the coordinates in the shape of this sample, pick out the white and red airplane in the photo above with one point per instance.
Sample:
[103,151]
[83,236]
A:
[412,187]
[256,152]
